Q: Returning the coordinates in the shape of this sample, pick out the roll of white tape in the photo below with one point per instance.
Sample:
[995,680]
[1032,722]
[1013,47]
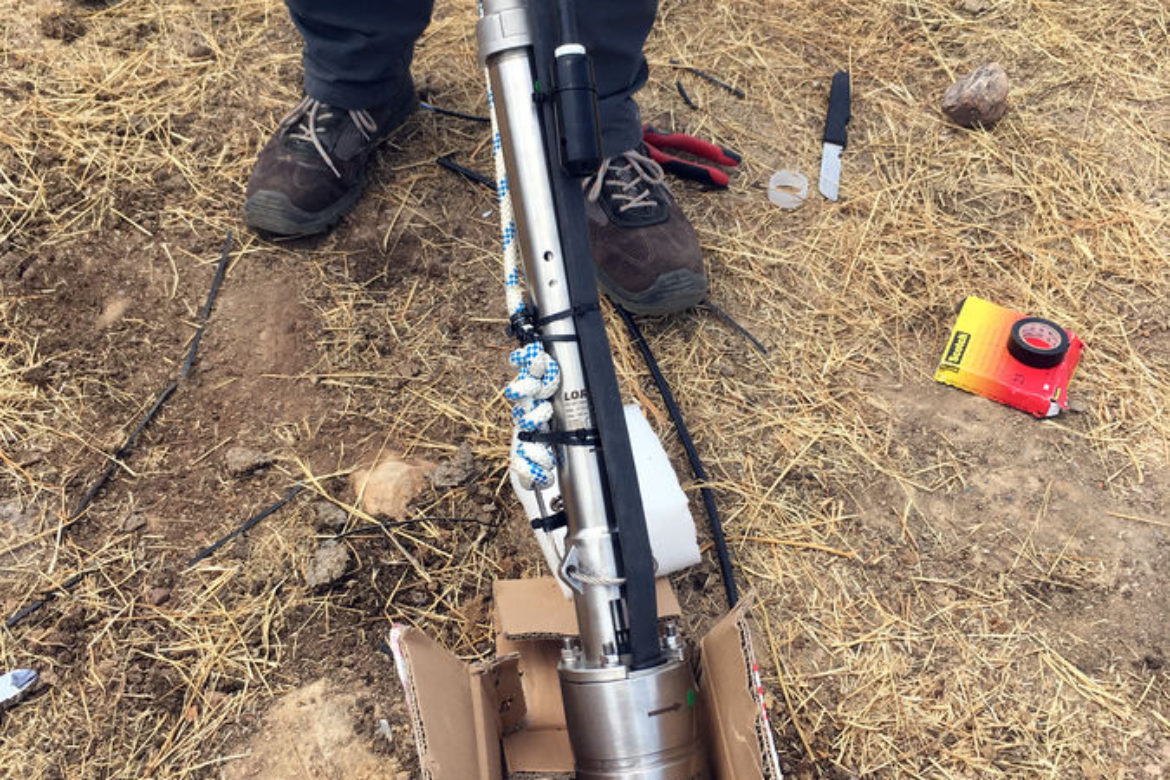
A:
[788,189]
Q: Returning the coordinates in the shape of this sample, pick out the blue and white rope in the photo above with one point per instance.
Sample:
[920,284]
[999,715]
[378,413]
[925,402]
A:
[538,375]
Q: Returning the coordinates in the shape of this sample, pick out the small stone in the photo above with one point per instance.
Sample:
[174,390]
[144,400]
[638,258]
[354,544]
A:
[457,470]
[1077,406]
[135,522]
[198,51]
[974,7]
[328,564]
[329,516]
[242,461]
[157,596]
[979,98]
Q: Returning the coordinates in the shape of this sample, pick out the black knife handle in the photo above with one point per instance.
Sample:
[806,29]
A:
[839,111]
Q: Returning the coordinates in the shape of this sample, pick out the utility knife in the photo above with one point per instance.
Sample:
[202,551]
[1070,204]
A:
[834,139]
[14,685]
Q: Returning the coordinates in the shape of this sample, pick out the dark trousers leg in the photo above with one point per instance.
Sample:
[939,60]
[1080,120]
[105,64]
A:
[614,32]
[357,52]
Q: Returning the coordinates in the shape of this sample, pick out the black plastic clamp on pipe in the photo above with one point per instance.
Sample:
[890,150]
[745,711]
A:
[575,99]
[623,498]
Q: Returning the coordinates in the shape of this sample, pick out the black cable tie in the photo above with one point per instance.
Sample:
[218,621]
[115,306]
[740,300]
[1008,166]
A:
[579,437]
[739,93]
[551,522]
[575,311]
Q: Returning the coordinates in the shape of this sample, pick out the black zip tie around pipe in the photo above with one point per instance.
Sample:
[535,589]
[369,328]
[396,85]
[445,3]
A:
[115,460]
[684,435]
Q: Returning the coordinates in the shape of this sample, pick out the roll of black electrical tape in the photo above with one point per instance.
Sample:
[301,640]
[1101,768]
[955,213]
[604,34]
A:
[1038,343]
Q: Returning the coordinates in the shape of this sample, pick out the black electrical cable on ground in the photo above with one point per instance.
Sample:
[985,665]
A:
[684,435]
[246,525]
[127,447]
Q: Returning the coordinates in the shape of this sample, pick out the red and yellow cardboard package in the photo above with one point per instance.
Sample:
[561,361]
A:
[977,359]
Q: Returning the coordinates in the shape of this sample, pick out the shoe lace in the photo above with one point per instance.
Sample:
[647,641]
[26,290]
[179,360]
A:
[631,184]
[311,119]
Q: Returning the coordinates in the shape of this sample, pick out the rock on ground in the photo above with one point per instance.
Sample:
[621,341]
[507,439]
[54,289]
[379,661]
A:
[979,98]
[387,488]
[242,461]
[974,7]
[329,516]
[327,565]
[456,470]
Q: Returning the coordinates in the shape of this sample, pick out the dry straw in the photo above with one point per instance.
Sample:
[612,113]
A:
[913,621]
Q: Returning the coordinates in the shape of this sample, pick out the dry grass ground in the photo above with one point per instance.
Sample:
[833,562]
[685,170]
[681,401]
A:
[947,587]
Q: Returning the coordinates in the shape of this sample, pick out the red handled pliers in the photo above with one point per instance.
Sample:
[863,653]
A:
[656,141]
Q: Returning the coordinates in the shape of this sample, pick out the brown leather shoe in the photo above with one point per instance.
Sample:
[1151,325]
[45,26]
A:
[647,255]
[313,170]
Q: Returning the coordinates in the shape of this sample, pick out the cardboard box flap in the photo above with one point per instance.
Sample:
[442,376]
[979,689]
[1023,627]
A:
[541,683]
[539,753]
[458,712]
[740,737]
[537,609]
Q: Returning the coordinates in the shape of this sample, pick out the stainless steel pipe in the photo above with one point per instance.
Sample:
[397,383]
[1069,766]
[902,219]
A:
[623,724]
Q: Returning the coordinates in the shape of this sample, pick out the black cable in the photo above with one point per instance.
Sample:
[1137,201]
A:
[113,462]
[449,112]
[739,93]
[710,304]
[216,281]
[567,22]
[46,598]
[246,525]
[388,525]
[684,435]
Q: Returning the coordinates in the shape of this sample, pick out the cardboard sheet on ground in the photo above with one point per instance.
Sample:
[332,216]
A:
[504,719]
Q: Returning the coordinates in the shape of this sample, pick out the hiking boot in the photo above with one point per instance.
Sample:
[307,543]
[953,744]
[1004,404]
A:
[647,255]
[312,171]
